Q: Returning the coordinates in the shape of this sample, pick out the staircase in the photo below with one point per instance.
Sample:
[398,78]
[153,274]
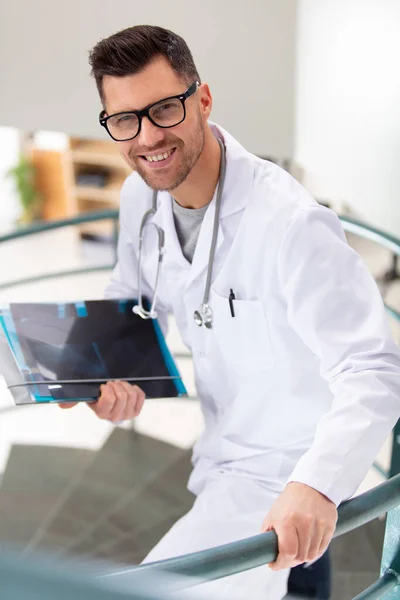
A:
[114,504]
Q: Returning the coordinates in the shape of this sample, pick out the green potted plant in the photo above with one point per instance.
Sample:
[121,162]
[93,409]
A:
[23,175]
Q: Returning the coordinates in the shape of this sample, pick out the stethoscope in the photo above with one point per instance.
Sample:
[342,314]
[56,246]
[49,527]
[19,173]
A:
[204,314]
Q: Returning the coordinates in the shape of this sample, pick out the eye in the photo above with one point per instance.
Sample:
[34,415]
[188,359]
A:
[167,111]
[126,118]
[166,106]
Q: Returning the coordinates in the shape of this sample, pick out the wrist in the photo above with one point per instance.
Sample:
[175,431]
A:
[299,486]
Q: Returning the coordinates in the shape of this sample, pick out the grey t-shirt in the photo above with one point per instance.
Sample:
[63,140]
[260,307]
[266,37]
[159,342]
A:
[187,224]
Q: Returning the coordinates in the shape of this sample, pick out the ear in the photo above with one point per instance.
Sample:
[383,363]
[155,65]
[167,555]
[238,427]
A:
[205,100]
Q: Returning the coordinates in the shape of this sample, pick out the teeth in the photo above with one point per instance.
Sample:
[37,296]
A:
[159,157]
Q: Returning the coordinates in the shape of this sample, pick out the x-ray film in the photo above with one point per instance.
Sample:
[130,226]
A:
[48,351]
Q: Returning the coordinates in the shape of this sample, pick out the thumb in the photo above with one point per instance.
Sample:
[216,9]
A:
[67,404]
[266,525]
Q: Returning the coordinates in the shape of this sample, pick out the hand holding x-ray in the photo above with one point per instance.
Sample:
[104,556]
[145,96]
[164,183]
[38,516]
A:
[118,401]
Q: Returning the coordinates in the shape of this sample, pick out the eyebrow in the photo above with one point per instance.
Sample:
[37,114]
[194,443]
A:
[136,110]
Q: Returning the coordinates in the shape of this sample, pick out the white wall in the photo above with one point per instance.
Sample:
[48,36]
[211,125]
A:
[10,209]
[347,134]
[245,50]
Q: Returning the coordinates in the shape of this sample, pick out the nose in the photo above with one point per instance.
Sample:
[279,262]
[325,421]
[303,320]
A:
[150,135]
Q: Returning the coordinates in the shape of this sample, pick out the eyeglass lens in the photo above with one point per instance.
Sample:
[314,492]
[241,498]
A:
[165,114]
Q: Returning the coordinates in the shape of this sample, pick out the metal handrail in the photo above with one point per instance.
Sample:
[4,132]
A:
[392,312]
[43,579]
[379,237]
[257,550]
[41,227]
[55,275]
[371,233]
[261,549]
[89,217]
[381,587]
[349,224]
[194,568]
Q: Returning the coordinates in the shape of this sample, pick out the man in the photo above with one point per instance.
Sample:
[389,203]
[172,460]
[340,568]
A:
[297,374]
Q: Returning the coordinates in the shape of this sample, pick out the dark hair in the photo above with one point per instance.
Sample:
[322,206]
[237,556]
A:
[131,50]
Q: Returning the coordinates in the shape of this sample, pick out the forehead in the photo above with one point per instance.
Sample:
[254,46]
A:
[156,81]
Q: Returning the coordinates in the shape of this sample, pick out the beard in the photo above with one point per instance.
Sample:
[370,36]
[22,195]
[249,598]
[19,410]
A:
[190,154]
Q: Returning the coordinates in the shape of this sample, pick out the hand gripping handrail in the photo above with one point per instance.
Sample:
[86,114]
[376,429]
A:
[33,580]
[228,559]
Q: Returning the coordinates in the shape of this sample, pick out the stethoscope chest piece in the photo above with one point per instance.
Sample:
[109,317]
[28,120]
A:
[203,316]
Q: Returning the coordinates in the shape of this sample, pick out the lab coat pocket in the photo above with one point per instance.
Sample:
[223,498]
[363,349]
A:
[244,339]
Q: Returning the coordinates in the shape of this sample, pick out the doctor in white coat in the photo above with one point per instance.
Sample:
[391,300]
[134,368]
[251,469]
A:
[298,375]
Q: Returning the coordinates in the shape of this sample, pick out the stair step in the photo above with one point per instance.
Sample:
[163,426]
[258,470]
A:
[144,519]
[34,482]
[122,468]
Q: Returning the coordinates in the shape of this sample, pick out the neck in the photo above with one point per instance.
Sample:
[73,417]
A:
[198,188]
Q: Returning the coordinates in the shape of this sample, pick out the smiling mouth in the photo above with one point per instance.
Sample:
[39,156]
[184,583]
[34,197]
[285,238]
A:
[158,158]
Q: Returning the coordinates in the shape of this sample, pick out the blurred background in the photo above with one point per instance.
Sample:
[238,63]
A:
[312,85]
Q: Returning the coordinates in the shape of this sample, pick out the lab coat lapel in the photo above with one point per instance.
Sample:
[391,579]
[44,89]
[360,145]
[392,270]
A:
[202,253]
[237,187]
[173,261]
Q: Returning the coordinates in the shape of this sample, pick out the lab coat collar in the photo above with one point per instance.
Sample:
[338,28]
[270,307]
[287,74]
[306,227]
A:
[174,263]
[238,187]
[238,184]
[164,218]
[239,173]
[201,256]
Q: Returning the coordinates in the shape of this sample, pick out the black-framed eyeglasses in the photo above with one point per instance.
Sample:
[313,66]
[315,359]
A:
[165,113]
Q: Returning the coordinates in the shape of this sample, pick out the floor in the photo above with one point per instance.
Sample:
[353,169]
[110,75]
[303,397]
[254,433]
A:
[80,487]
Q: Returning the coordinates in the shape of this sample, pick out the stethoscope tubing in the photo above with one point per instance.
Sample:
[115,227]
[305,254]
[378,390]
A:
[204,315]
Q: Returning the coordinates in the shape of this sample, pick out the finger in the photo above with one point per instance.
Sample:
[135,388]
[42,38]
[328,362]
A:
[131,401]
[141,397]
[316,541]
[106,401]
[67,404]
[305,534]
[121,395]
[136,398]
[326,540]
[288,547]
[130,410]
[266,525]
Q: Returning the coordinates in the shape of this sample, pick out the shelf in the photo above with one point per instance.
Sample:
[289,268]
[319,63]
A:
[102,229]
[108,194]
[97,228]
[102,195]
[97,152]
[90,156]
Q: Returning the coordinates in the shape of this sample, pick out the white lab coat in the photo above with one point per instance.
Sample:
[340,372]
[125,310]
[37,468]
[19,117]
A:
[304,382]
